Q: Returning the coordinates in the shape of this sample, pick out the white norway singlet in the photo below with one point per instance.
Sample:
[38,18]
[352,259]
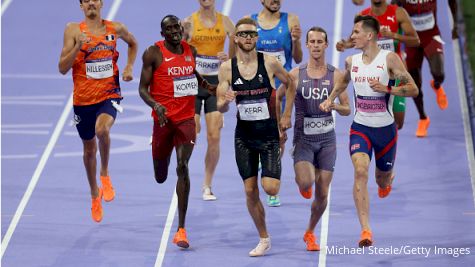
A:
[372,109]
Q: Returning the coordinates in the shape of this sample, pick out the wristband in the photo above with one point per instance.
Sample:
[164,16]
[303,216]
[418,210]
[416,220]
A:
[389,89]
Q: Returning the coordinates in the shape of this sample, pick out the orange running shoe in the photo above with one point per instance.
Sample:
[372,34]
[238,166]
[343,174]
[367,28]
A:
[384,192]
[310,238]
[107,188]
[96,209]
[306,194]
[422,127]
[180,238]
[441,96]
[366,239]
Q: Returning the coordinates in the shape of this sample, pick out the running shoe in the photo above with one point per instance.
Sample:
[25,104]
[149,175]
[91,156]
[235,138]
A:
[441,96]
[96,207]
[422,127]
[366,239]
[261,248]
[207,194]
[384,192]
[180,238]
[310,239]
[306,194]
[273,201]
[107,188]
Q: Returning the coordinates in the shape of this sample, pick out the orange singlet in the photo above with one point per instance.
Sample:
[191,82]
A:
[95,71]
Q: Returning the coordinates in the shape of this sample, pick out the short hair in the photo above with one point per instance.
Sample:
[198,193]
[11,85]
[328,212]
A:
[169,16]
[369,22]
[317,29]
[244,21]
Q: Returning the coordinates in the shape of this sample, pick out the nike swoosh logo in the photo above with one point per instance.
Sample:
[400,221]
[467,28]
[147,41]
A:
[168,59]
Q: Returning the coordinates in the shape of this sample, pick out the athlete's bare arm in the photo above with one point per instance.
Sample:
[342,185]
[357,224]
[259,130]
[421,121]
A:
[224,93]
[397,71]
[341,83]
[187,28]
[152,59]
[229,28]
[128,38]
[72,42]
[296,34]
[410,37]
[343,107]
[294,74]
[274,68]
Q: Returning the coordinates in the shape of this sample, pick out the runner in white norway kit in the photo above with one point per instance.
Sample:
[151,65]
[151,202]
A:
[373,127]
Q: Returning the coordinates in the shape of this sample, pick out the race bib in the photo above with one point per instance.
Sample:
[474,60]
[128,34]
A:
[280,55]
[371,104]
[207,65]
[423,22]
[386,44]
[322,125]
[185,86]
[253,110]
[99,68]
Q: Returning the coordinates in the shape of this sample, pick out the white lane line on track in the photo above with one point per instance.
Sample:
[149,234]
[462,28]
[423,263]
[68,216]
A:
[36,176]
[47,152]
[464,108]
[5,5]
[173,205]
[322,259]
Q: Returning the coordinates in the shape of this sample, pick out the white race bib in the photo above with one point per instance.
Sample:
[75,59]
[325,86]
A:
[386,44]
[99,68]
[185,86]
[280,55]
[423,22]
[207,65]
[322,125]
[253,110]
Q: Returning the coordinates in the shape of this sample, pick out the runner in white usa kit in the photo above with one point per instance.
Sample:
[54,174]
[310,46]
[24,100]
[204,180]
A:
[373,127]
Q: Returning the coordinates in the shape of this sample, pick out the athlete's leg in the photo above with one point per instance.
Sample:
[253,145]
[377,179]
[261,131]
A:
[254,205]
[103,125]
[90,163]
[319,204]
[360,188]
[436,65]
[183,154]
[304,175]
[214,123]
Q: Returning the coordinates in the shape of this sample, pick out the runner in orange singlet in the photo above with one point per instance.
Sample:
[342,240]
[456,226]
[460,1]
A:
[90,50]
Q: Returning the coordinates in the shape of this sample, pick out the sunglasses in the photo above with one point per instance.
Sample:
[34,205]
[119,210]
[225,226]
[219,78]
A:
[246,34]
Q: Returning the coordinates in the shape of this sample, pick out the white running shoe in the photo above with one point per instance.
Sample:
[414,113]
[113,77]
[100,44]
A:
[261,248]
[207,194]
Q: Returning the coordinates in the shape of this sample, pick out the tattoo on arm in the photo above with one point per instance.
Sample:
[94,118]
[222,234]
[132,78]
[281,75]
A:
[403,91]
[402,77]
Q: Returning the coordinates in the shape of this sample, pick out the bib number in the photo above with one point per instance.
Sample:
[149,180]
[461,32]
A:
[253,110]
[99,68]
[312,126]
[423,22]
[207,65]
[386,44]
[185,86]
[371,104]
